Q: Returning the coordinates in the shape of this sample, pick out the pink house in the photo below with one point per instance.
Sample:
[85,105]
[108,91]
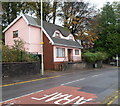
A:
[58,45]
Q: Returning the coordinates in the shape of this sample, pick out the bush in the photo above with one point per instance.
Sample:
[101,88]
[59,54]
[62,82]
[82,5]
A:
[93,57]
[13,55]
[16,53]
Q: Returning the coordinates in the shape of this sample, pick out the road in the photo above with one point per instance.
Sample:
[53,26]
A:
[94,86]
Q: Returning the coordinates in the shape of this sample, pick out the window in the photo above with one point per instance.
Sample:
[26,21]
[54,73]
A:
[70,38]
[57,35]
[15,34]
[76,52]
[60,52]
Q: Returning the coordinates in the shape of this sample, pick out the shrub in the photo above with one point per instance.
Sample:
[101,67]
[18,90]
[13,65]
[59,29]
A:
[93,57]
[13,55]
[18,44]
[16,53]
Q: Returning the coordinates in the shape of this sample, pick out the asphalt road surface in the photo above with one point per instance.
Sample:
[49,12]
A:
[99,86]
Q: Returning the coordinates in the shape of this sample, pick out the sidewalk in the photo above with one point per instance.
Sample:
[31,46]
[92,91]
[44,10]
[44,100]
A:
[48,73]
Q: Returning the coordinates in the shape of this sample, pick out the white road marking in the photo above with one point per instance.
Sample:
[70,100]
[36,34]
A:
[57,97]
[80,79]
[22,96]
[96,75]
[73,81]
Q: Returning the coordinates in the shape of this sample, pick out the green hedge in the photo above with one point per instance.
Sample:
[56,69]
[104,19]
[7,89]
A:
[16,55]
[93,57]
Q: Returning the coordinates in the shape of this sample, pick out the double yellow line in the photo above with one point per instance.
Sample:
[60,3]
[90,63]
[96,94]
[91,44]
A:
[109,100]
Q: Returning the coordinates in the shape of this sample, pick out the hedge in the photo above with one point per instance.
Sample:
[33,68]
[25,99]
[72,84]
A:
[93,57]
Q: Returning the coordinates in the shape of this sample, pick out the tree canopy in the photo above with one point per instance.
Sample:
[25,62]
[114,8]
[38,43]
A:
[78,18]
[109,34]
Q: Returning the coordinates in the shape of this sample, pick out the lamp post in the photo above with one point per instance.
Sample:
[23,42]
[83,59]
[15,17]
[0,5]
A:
[42,60]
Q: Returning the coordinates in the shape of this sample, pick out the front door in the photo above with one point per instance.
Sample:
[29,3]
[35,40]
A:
[69,54]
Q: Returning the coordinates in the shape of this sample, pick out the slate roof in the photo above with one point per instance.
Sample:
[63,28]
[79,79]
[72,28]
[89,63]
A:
[64,42]
[50,29]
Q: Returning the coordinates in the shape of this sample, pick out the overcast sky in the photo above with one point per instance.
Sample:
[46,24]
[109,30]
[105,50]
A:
[100,3]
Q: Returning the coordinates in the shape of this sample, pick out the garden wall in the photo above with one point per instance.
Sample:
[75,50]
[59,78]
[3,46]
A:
[97,64]
[15,69]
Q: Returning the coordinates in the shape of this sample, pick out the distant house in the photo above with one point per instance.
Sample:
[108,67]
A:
[58,45]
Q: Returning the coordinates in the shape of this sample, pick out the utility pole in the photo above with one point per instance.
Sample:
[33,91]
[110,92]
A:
[42,60]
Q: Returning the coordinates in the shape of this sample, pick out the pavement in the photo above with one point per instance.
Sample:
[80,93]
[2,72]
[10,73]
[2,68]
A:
[48,73]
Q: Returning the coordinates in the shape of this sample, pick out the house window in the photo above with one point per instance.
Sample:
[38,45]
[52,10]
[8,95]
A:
[70,38]
[57,35]
[60,52]
[15,34]
[76,52]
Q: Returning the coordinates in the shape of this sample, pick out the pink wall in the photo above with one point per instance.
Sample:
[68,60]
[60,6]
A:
[35,39]
[29,34]
[75,57]
[23,32]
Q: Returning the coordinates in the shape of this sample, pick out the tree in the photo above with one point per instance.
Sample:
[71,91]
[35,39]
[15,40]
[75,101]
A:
[18,44]
[49,9]
[78,18]
[109,36]
[10,12]
[54,11]
[12,9]
[113,44]
[116,6]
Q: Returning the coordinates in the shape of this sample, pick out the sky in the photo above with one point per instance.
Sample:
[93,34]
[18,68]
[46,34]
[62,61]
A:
[99,3]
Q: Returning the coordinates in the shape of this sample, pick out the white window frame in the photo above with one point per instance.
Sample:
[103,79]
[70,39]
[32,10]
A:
[57,34]
[77,52]
[70,37]
[60,52]
[15,34]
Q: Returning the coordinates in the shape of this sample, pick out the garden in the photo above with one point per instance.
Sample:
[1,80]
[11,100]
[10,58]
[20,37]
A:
[17,62]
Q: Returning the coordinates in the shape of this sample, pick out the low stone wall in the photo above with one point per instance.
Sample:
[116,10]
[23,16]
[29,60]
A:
[84,65]
[15,69]
[76,66]
[97,64]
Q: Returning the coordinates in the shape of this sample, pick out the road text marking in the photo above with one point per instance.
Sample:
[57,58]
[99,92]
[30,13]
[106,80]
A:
[63,98]
[57,95]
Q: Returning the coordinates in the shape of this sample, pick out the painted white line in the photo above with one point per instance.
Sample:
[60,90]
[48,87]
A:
[96,75]
[22,96]
[73,81]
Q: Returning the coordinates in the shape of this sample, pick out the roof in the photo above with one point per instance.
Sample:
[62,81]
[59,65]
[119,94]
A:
[50,29]
[70,43]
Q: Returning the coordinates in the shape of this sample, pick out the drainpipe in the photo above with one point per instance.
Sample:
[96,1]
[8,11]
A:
[42,60]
